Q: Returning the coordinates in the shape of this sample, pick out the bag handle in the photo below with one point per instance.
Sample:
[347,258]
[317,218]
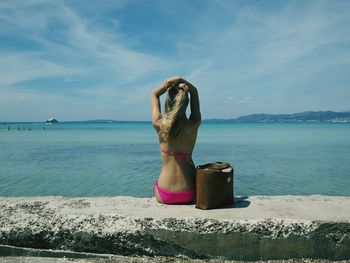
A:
[214,166]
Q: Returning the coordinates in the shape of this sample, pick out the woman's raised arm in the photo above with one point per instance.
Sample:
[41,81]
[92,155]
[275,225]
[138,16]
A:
[156,93]
[195,108]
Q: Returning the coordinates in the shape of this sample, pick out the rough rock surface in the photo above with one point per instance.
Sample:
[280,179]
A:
[30,255]
[263,228]
[145,259]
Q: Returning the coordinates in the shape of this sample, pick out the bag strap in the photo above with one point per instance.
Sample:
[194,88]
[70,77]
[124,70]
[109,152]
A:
[218,166]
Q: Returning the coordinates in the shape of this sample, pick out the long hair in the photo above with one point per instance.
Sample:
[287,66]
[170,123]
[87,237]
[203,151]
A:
[175,106]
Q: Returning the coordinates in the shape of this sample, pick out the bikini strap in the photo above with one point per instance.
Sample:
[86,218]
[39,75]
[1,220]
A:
[175,153]
[181,156]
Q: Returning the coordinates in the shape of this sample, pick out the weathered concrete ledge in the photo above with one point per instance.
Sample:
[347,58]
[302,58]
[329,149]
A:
[255,228]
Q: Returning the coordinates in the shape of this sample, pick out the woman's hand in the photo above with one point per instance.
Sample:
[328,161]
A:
[184,87]
[172,82]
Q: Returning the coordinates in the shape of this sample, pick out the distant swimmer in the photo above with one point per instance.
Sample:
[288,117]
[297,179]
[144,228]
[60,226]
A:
[8,128]
[18,128]
[30,128]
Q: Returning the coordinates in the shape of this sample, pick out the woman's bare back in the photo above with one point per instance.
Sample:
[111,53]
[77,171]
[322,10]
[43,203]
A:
[178,170]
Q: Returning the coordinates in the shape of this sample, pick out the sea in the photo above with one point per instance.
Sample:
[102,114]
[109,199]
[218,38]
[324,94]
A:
[123,159]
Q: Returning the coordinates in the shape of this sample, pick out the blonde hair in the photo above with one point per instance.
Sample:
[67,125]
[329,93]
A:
[175,107]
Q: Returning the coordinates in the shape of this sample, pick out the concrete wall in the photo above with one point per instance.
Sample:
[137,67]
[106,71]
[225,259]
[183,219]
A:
[259,227]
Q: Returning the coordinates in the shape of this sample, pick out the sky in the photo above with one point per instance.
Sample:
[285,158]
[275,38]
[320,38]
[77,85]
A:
[83,60]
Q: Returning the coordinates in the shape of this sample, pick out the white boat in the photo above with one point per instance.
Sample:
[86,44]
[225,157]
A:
[52,120]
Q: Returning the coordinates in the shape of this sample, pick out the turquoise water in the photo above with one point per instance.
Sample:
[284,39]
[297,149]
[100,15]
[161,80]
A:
[107,159]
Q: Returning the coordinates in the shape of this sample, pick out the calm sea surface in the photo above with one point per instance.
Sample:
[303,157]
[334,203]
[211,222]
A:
[107,159]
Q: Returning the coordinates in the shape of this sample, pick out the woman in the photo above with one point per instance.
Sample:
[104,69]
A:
[177,136]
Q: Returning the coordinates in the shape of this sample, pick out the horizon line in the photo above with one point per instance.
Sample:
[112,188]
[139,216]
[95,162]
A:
[214,118]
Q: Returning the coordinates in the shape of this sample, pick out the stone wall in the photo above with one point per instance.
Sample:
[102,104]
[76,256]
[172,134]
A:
[139,226]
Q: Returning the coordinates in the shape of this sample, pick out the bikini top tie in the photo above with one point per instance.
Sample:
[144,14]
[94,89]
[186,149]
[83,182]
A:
[180,156]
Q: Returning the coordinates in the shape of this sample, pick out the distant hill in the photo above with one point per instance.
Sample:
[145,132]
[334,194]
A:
[307,116]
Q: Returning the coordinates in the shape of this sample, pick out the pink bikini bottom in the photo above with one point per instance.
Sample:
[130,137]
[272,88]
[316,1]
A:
[170,197]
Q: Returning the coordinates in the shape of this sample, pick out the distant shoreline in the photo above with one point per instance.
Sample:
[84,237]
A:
[203,121]
[302,117]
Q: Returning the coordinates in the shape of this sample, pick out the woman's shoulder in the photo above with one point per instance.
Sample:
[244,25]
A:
[157,124]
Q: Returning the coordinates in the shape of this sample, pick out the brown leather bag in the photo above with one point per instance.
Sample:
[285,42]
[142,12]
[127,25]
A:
[214,185]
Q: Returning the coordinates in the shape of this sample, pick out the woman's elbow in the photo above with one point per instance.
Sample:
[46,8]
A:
[154,93]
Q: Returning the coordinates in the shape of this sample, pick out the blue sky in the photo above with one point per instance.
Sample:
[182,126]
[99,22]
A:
[79,60]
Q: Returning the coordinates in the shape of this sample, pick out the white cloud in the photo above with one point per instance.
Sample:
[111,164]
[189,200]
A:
[17,67]
[250,57]
[262,53]
[78,49]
